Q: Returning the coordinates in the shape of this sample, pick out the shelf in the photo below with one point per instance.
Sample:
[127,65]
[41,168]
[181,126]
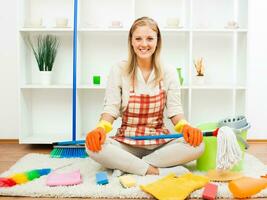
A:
[218,30]
[214,87]
[96,87]
[46,110]
[103,30]
[36,86]
[46,30]
[44,139]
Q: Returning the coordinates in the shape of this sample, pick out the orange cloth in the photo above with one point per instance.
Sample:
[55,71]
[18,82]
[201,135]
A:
[95,139]
[171,187]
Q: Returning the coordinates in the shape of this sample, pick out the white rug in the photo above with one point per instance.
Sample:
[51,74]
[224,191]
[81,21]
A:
[37,188]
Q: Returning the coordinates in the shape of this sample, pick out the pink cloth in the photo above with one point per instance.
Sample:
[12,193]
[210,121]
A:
[64,179]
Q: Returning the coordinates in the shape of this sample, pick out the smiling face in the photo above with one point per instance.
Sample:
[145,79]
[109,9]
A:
[144,42]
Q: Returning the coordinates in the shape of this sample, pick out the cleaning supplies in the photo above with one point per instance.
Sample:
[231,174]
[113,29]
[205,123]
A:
[64,179]
[127,181]
[24,177]
[210,191]
[172,187]
[208,160]
[247,186]
[223,175]
[228,150]
[169,136]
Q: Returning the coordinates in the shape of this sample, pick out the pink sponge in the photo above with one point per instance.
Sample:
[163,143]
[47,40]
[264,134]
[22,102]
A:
[210,191]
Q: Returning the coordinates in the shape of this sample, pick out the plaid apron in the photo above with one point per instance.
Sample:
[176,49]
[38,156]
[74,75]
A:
[143,116]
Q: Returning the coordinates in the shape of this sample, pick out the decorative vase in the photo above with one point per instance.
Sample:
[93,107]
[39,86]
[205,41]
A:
[45,77]
[181,79]
[199,80]
[96,80]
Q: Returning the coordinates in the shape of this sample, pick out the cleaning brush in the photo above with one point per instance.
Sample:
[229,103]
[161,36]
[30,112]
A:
[69,149]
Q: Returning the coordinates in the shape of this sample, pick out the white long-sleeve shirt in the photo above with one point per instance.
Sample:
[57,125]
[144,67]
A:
[119,85]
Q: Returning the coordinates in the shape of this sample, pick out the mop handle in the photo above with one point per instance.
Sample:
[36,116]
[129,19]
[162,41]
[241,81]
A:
[164,136]
[141,137]
[153,137]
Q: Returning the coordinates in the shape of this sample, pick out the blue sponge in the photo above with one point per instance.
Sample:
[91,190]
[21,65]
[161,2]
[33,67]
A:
[102,178]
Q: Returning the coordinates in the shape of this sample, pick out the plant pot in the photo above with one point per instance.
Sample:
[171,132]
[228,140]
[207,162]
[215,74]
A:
[45,77]
[199,80]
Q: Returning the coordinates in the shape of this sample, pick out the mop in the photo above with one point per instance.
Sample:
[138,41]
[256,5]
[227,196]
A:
[228,155]
[228,149]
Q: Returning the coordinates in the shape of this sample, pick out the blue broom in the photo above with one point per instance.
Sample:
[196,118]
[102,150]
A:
[74,148]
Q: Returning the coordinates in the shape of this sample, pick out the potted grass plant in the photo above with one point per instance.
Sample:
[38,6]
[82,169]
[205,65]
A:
[45,53]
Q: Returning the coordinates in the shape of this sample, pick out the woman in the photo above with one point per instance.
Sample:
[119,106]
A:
[139,90]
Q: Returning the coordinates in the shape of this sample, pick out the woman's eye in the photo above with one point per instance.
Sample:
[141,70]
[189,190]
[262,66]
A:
[138,39]
[150,39]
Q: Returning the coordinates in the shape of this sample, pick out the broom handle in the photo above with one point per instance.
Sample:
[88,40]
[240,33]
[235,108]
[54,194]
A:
[74,142]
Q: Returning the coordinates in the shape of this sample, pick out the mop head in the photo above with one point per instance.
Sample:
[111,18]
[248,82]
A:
[228,149]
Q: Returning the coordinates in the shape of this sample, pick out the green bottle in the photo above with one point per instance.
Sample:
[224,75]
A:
[181,79]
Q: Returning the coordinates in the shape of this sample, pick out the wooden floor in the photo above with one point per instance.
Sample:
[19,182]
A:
[11,152]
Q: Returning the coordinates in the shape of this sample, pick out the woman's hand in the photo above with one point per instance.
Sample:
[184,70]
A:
[192,135]
[95,139]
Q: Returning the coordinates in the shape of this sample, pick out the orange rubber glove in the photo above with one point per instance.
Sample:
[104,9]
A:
[95,139]
[192,135]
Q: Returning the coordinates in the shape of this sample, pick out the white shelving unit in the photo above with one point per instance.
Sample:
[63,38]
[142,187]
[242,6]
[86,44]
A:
[46,110]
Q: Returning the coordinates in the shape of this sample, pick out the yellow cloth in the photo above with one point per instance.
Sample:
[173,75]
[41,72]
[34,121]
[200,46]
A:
[179,126]
[171,187]
[105,125]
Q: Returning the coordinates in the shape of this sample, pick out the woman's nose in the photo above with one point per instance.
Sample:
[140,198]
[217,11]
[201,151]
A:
[144,42]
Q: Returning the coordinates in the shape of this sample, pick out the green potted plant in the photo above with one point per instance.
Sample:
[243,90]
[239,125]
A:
[45,54]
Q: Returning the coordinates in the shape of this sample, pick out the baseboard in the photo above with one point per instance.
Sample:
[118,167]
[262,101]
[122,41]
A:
[9,141]
[257,141]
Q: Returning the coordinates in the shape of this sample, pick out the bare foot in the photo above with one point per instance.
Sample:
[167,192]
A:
[152,170]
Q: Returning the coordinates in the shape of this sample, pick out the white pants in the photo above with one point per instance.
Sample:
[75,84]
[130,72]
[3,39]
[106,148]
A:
[135,160]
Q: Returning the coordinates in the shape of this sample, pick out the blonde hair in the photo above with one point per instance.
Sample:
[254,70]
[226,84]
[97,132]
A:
[132,58]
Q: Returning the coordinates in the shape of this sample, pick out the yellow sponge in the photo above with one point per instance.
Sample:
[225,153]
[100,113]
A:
[127,181]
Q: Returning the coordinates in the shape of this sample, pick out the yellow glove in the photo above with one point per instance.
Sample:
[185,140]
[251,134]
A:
[105,125]
[180,125]
[171,187]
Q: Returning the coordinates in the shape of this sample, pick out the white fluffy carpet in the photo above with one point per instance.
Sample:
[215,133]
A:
[37,188]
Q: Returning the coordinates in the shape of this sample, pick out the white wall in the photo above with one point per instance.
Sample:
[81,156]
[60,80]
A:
[257,70]
[9,73]
[257,81]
